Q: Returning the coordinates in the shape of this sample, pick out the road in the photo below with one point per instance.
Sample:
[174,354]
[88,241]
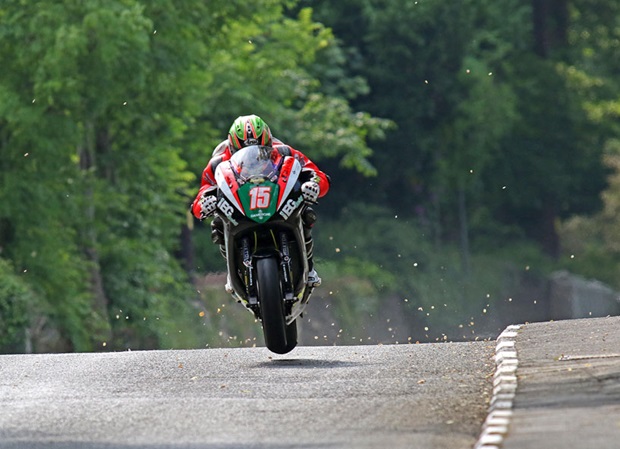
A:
[568,394]
[393,396]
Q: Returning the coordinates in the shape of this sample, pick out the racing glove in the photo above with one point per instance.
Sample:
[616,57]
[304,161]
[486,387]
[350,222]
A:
[207,206]
[310,191]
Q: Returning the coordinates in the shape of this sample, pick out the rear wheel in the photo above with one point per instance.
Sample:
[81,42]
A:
[275,329]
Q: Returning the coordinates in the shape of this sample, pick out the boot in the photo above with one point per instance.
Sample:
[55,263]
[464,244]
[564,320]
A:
[217,230]
[313,279]
[309,218]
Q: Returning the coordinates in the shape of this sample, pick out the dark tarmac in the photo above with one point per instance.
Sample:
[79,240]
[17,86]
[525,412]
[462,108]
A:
[568,386]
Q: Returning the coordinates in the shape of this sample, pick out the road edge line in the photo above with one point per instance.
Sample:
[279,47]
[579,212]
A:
[497,423]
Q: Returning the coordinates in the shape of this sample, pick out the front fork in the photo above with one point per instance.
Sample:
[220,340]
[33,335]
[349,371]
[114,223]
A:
[286,272]
[285,269]
[250,275]
[247,276]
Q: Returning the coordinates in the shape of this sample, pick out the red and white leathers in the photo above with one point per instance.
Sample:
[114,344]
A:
[222,153]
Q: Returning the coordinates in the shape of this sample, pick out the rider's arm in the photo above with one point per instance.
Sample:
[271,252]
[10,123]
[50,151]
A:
[208,186]
[205,190]
[310,171]
[220,153]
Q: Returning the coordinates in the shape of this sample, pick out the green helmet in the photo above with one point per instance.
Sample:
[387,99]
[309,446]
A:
[248,130]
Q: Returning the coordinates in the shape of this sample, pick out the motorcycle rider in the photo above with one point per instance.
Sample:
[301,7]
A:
[252,130]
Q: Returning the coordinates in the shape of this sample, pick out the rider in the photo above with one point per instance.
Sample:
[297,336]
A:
[252,130]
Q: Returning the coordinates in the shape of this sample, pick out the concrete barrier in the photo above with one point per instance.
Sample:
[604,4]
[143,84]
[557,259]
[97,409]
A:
[572,296]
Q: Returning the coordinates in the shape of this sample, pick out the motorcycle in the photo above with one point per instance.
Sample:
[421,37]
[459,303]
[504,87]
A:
[261,204]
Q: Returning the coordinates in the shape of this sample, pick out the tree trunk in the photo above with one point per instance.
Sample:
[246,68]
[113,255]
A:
[549,238]
[87,157]
[550,26]
[464,233]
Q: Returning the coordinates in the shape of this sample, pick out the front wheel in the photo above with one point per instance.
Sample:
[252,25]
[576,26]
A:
[291,336]
[271,304]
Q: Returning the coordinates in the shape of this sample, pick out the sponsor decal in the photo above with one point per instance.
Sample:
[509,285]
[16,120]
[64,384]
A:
[227,210]
[290,206]
[260,197]
[259,201]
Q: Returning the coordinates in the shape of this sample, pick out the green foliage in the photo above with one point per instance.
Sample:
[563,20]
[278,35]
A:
[591,245]
[330,128]
[396,259]
[106,118]
[224,322]
[356,289]
[274,54]
[38,209]
[16,300]
[109,111]
[151,297]
[371,233]
[99,87]
[470,141]
[561,145]
[481,118]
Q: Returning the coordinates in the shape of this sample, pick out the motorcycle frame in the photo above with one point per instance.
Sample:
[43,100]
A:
[234,234]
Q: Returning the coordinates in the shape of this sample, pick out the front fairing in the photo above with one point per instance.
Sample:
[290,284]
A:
[260,201]
[257,183]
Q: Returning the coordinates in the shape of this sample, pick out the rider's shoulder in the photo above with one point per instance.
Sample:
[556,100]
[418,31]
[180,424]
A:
[222,148]
[283,148]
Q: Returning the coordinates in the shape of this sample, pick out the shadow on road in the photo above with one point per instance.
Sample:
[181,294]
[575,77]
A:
[306,363]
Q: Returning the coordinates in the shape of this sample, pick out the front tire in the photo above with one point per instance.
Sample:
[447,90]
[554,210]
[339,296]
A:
[291,336]
[271,304]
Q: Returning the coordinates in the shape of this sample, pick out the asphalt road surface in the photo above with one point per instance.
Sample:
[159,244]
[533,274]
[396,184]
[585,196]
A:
[568,394]
[399,396]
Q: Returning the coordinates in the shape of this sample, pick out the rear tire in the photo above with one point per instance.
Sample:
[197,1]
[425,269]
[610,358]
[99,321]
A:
[271,304]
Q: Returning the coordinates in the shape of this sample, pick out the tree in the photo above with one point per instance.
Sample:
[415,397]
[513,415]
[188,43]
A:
[553,166]
[446,92]
[106,116]
[91,147]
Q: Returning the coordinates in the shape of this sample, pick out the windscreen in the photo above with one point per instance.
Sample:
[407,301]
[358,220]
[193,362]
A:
[254,162]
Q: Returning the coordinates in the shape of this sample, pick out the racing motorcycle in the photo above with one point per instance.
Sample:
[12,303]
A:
[261,204]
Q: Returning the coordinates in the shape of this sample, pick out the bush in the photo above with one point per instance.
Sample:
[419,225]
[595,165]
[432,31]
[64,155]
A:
[15,301]
[369,254]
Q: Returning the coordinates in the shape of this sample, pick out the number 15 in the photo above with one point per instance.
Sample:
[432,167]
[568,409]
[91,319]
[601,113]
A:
[259,197]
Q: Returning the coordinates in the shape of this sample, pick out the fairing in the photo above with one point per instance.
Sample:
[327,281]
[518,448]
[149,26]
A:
[257,181]
[260,202]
